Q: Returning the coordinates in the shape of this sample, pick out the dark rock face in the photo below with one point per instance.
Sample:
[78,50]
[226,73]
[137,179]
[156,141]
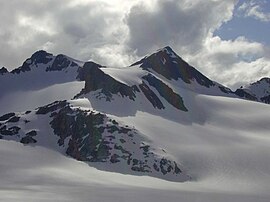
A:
[85,129]
[96,79]
[31,133]
[3,71]
[225,90]
[28,140]
[39,57]
[14,119]
[84,72]
[5,131]
[60,62]
[151,96]
[266,99]
[166,92]
[171,66]
[51,107]
[166,166]
[10,117]
[243,94]
[29,137]
[94,137]
[7,116]
[24,68]
[79,126]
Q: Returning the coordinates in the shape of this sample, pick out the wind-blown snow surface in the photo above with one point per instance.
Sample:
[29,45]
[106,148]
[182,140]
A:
[221,142]
[28,90]
[226,153]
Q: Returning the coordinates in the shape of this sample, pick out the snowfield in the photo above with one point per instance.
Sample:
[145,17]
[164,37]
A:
[220,141]
[227,156]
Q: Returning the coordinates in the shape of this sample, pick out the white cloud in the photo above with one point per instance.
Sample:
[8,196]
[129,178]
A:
[232,62]
[189,28]
[119,32]
[76,28]
[248,72]
[254,9]
[181,23]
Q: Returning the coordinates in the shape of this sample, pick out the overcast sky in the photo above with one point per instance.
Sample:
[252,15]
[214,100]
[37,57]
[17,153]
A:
[228,40]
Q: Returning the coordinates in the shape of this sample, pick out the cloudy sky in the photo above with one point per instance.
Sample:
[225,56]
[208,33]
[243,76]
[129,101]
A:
[228,40]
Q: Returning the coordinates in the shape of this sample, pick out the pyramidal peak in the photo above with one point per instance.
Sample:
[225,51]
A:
[169,51]
[168,64]
[162,54]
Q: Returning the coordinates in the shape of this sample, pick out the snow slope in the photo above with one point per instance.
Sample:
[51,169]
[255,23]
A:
[39,85]
[220,141]
[227,155]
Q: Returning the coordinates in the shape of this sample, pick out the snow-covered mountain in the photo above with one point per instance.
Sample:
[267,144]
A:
[257,91]
[155,120]
[42,79]
[167,63]
[90,136]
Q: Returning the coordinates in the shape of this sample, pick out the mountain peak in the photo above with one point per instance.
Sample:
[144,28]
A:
[3,70]
[168,64]
[48,61]
[259,90]
[40,54]
[39,57]
[166,48]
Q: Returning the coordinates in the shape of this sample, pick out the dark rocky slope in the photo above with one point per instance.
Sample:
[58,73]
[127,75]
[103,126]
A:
[91,136]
